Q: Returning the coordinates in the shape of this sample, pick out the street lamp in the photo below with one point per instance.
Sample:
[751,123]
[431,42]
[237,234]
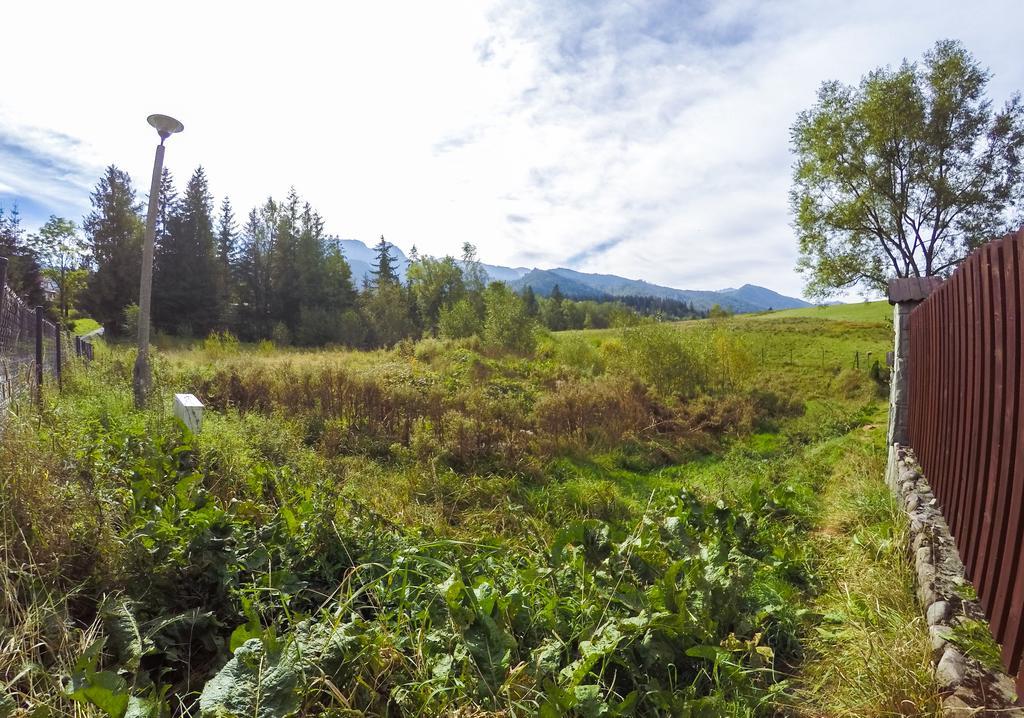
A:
[165,127]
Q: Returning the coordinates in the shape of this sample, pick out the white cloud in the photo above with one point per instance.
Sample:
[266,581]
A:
[648,139]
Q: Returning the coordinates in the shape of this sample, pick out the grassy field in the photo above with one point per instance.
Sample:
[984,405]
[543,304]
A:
[85,325]
[871,312]
[662,520]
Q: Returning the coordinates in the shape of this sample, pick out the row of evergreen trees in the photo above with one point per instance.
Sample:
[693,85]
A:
[279,271]
[280,276]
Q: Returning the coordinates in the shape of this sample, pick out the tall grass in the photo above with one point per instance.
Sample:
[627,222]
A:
[871,653]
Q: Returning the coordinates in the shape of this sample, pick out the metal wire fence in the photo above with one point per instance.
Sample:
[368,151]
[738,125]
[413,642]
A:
[32,348]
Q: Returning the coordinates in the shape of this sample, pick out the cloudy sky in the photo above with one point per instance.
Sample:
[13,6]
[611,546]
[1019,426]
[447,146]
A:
[647,139]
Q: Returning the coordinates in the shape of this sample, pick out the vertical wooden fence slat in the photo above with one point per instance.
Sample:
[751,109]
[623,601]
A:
[938,366]
[991,478]
[1008,526]
[1011,636]
[977,359]
[980,485]
[966,406]
[948,386]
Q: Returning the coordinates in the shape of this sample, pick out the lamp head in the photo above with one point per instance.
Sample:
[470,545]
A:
[165,126]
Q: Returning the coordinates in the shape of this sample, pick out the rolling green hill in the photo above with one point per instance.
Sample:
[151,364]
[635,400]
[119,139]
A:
[860,312]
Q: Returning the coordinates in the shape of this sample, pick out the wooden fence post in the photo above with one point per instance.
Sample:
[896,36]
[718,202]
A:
[39,354]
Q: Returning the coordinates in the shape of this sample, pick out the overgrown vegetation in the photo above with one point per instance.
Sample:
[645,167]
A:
[606,524]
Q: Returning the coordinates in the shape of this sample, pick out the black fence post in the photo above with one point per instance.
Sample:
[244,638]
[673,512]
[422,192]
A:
[39,354]
[78,346]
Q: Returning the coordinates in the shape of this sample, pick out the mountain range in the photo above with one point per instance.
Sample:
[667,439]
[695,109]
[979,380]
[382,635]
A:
[583,285]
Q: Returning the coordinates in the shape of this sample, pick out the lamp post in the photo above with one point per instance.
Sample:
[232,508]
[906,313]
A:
[141,379]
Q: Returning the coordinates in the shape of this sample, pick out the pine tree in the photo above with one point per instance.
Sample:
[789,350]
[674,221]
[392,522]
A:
[252,273]
[292,279]
[386,272]
[113,233]
[23,272]
[556,319]
[166,202]
[185,285]
[530,302]
[286,282]
[227,239]
[329,315]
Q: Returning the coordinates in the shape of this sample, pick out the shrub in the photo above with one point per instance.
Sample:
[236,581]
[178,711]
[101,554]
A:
[854,384]
[507,325]
[130,320]
[459,320]
[280,335]
[220,344]
[579,353]
[601,412]
[660,355]
[265,347]
[715,416]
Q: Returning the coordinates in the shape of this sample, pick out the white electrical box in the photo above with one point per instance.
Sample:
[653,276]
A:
[190,410]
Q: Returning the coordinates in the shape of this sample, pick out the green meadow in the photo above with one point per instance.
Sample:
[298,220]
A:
[666,519]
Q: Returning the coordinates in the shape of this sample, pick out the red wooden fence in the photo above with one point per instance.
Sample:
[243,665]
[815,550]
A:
[967,421]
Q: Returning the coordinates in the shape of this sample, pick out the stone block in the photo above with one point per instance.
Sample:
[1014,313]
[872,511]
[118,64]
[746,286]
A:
[938,612]
[956,707]
[952,669]
[938,636]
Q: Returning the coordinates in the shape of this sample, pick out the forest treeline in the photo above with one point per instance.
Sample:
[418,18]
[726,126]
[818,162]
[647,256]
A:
[277,274]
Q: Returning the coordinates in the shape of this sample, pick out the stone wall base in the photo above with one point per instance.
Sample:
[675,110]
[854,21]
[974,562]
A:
[968,687]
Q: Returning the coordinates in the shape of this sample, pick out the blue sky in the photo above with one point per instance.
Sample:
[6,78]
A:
[648,139]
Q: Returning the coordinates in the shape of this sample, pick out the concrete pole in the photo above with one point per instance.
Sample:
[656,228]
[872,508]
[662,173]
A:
[142,377]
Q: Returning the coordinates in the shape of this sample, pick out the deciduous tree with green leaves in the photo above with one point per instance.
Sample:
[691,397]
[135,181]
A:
[436,284]
[904,174]
[61,250]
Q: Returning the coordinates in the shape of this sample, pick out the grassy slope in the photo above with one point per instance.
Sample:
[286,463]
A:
[790,344]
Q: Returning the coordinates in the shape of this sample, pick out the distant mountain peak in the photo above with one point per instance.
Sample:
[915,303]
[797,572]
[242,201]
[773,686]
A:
[583,285]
